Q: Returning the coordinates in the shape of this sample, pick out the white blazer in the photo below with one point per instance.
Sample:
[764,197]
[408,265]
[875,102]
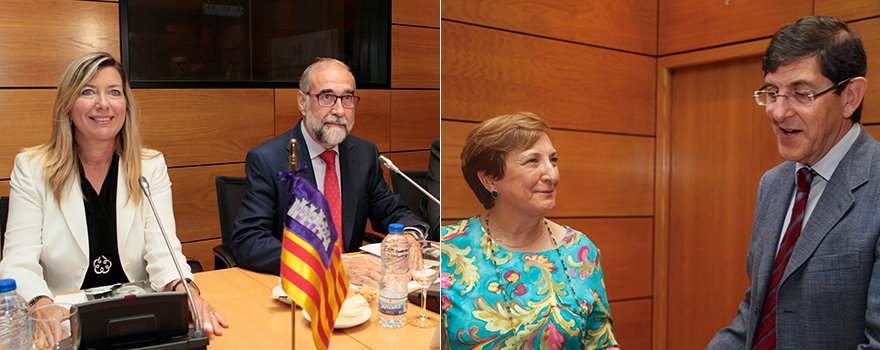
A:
[46,249]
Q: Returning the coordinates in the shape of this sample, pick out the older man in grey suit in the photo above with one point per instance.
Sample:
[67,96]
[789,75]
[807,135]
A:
[813,256]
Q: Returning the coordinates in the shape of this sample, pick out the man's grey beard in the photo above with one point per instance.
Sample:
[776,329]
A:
[330,136]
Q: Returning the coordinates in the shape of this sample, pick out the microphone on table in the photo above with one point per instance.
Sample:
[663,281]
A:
[198,332]
[388,164]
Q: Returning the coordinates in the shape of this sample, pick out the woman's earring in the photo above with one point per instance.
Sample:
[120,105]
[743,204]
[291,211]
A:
[494,194]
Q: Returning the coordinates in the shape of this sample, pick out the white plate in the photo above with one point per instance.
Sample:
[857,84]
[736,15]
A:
[279,294]
[346,324]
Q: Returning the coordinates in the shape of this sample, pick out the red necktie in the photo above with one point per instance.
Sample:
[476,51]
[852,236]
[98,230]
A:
[331,189]
[766,339]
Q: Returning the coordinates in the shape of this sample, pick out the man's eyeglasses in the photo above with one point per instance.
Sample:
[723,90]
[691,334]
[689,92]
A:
[797,98]
[328,100]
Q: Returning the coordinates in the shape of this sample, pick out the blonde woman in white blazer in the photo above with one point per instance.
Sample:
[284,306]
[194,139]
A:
[62,205]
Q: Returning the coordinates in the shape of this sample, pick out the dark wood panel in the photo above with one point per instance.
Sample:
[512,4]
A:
[629,25]
[415,119]
[488,73]
[4,188]
[201,251]
[372,116]
[632,323]
[869,31]
[696,24]
[416,12]
[205,126]
[720,147]
[627,253]
[415,57]
[41,38]
[26,117]
[600,174]
[195,200]
[847,10]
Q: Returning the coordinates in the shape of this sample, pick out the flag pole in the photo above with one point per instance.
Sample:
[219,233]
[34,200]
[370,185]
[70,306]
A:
[293,167]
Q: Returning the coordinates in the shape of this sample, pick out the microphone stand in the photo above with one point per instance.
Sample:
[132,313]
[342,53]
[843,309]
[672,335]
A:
[388,164]
[197,332]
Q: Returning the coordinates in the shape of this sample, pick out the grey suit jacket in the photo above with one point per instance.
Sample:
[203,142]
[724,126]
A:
[829,296]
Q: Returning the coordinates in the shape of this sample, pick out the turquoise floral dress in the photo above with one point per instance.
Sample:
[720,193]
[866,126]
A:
[544,313]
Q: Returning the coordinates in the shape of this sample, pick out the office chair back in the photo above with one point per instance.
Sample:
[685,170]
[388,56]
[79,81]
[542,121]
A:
[230,191]
[411,195]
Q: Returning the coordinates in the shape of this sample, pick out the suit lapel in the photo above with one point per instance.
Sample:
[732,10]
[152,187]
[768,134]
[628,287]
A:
[349,190]
[837,199]
[302,153]
[771,224]
[124,213]
[74,211]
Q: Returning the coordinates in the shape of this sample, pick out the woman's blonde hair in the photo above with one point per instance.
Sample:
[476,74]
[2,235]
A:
[486,146]
[60,152]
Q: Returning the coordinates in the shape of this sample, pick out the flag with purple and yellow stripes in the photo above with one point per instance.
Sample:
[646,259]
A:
[311,268]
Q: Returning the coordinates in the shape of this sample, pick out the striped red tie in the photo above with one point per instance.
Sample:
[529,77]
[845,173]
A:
[766,339]
[331,189]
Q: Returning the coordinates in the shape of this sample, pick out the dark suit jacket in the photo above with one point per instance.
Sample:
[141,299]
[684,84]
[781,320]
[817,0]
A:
[429,208]
[256,238]
[829,296]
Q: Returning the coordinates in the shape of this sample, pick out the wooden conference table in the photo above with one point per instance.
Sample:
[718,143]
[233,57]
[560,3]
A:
[259,322]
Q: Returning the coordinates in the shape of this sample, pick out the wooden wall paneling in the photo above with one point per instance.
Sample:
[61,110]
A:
[40,39]
[632,323]
[203,251]
[627,250]
[205,126]
[416,12]
[662,172]
[600,174]
[4,187]
[697,24]
[415,119]
[195,200]
[487,73]
[722,146]
[874,130]
[629,25]
[415,57]
[869,31]
[371,122]
[26,117]
[847,10]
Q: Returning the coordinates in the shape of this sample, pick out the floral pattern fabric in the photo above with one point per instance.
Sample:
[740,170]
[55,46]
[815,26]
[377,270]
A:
[544,313]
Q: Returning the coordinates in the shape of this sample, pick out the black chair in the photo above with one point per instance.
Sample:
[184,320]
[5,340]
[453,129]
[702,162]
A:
[411,195]
[230,191]
[4,213]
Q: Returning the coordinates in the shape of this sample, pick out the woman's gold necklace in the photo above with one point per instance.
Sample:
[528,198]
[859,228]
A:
[504,286]
[508,244]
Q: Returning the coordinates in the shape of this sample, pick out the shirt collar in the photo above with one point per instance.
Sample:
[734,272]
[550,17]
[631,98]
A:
[315,149]
[825,167]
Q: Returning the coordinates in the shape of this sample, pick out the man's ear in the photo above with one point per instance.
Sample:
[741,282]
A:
[853,95]
[301,99]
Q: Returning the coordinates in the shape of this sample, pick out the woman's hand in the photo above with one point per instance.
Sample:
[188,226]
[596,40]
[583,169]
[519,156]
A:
[47,334]
[212,321]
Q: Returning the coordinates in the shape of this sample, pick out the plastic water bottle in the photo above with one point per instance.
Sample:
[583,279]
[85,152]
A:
[15,331]
[392,286]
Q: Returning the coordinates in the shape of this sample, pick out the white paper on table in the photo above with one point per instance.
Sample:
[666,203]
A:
[72,298]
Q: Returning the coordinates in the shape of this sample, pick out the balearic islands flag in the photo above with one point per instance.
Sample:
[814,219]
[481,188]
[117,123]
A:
[311,269]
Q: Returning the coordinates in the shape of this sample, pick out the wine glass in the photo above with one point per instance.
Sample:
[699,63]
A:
[425,265]
[56,326]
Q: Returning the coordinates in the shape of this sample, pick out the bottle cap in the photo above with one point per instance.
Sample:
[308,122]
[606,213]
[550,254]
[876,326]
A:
[395,228]
[7,285]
